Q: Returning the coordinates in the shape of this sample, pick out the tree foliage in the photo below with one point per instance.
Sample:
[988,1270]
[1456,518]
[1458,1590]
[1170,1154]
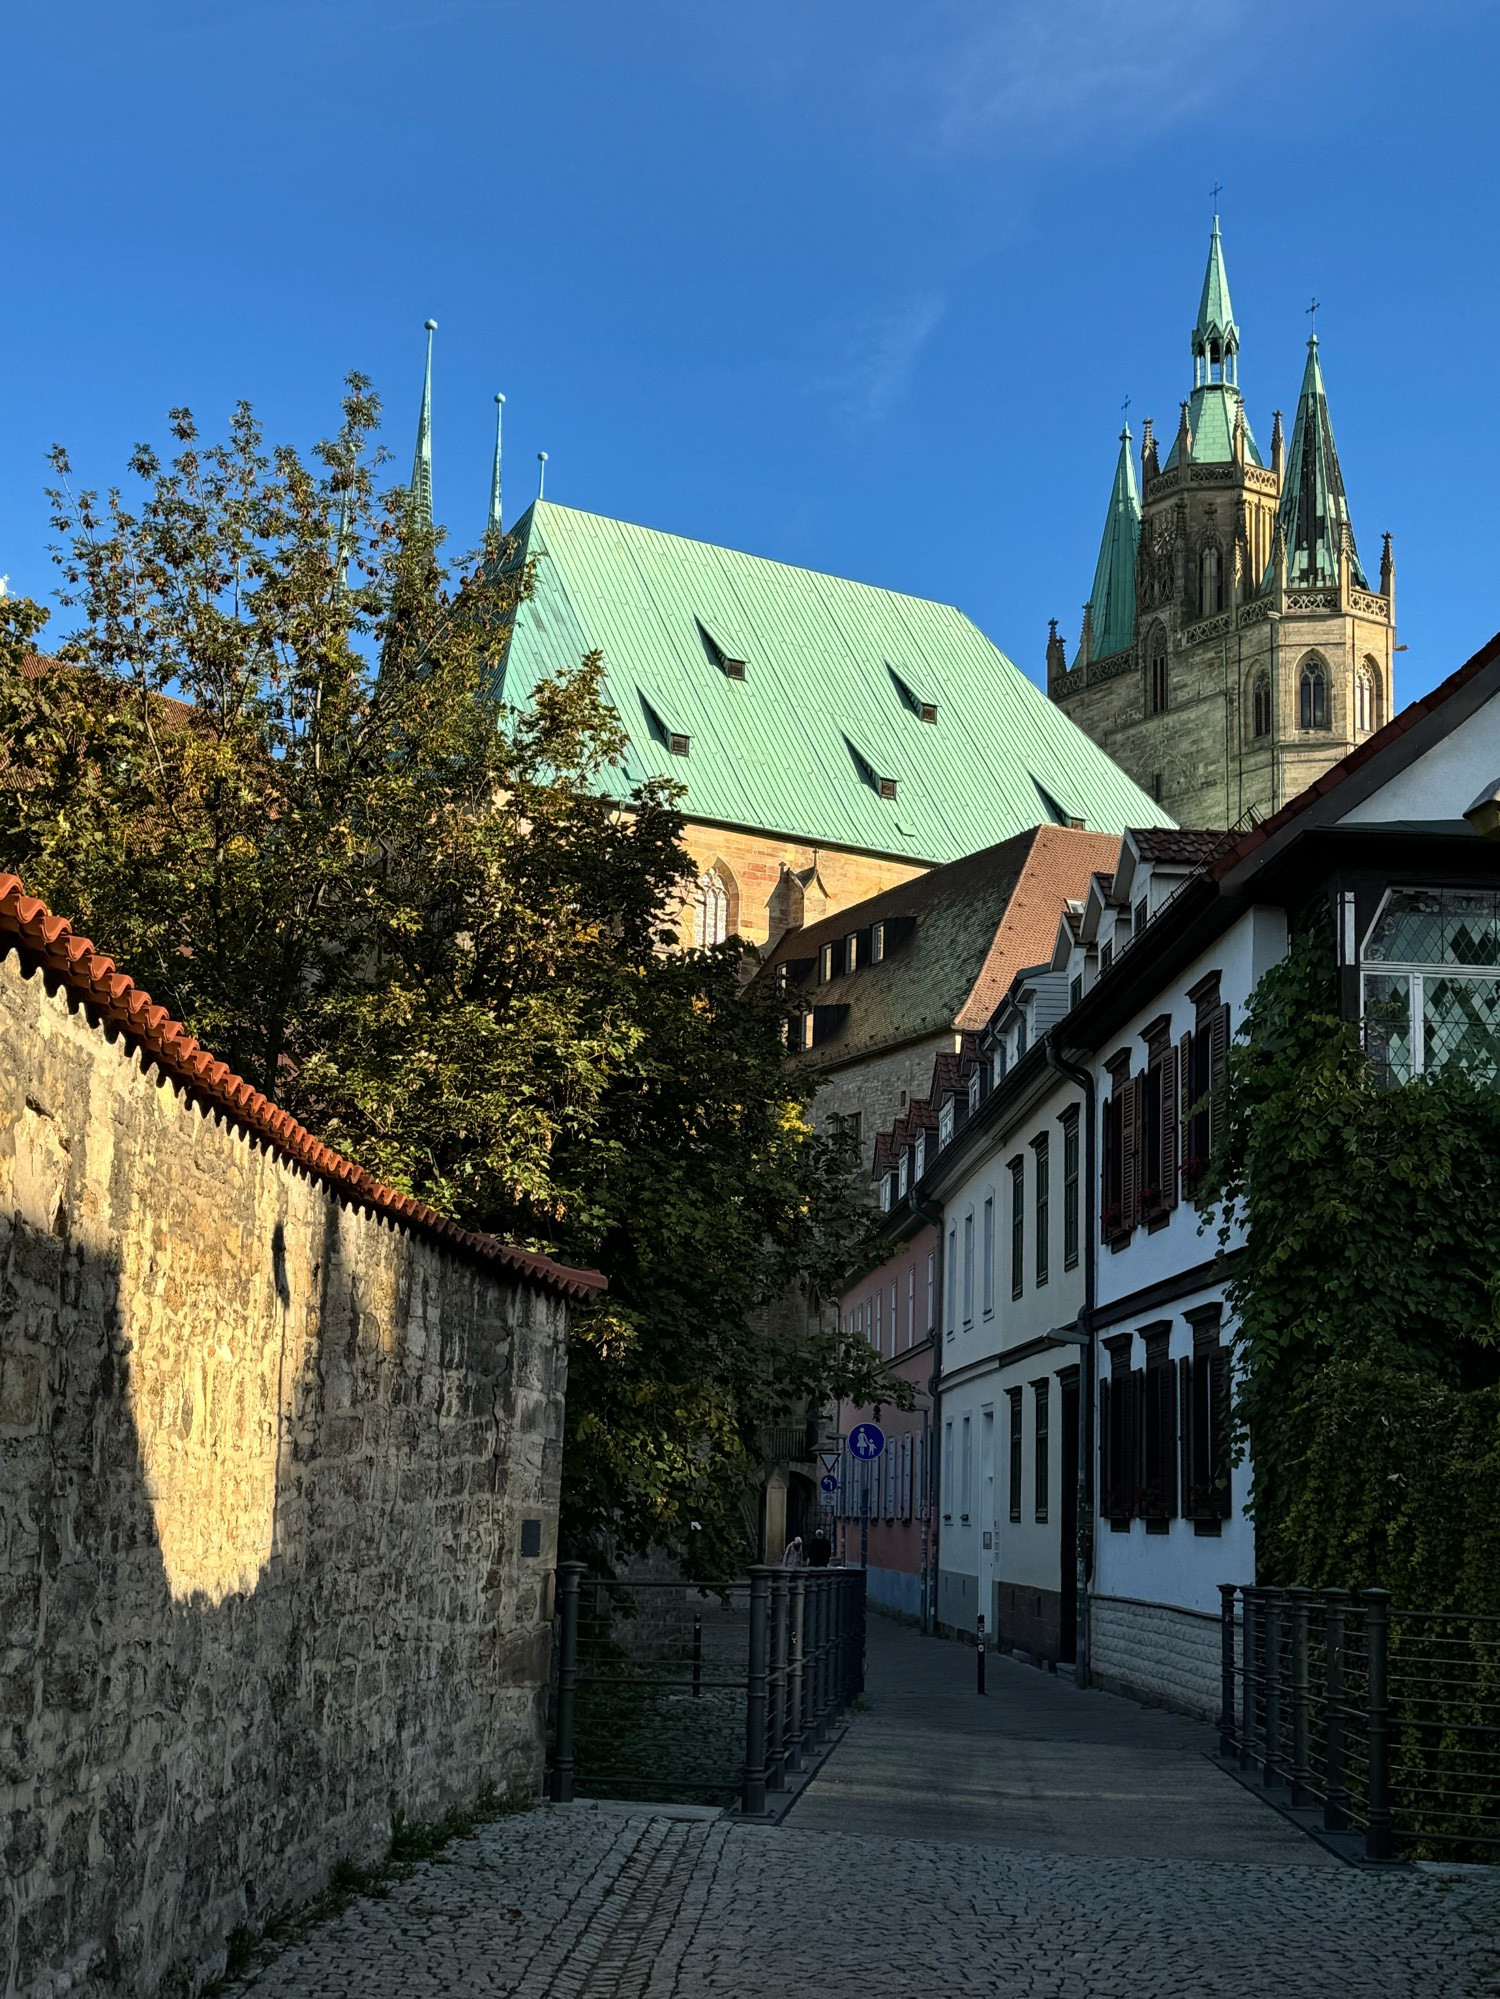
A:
[271,772]
[1367,1301]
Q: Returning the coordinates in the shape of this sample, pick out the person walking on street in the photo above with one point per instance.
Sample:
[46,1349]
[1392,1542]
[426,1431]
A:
[819,1550]
[792,1559]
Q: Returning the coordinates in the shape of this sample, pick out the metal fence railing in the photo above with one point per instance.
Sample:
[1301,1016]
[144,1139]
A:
[671,1691]
[1388,1719]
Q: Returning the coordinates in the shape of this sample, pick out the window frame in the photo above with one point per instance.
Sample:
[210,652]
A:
[1041,1147]
[1041,1450]
[1015,1467]
[1017,1170]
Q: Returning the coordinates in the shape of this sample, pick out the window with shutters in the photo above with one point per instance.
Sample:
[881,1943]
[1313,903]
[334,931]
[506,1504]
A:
[1070,1188]
[1042,1219]
[1119,1166]
[1158,1504]
[1119,1434]
[1158,1124]
[1041,1466]
[1202,1061]
[1014,1395]
[1204,1423]
[1017,1227]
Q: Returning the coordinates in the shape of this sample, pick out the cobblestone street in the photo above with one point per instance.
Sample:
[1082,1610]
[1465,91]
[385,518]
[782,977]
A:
[1044,1842]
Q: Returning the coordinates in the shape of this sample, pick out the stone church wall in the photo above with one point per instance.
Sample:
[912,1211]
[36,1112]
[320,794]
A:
[752,865]
[265,1458]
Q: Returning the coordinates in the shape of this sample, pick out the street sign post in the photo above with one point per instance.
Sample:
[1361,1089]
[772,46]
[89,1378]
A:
[868,1441]
[828,1483]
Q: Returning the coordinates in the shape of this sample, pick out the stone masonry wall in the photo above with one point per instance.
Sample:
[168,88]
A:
[1159,1654]
[264,1462]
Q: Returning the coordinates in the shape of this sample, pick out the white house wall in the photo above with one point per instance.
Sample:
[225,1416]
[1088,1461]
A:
[1443,782]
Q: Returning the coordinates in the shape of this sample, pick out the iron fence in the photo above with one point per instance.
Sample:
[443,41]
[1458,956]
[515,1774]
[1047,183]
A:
[713,1692]
[1388,1719]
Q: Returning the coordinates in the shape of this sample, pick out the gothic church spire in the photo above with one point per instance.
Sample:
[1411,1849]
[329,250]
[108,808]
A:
[1111,605]
[421,465]
[495,520]
[1314,510]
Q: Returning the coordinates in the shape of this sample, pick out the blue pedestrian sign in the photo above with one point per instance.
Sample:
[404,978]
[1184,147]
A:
[868,1441]
[828,1484]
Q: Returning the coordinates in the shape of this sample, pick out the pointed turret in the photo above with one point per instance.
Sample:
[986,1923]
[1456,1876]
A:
[1314,513]
[496,523]
[421,464]
[1216,407]
[1110,619]
[1216,337]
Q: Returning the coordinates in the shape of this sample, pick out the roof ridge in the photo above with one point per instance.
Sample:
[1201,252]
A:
[28,924]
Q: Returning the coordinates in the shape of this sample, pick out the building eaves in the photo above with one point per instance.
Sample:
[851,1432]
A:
[114,1000]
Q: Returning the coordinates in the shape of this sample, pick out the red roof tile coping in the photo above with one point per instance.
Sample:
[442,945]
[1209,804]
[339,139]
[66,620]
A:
[119,1002]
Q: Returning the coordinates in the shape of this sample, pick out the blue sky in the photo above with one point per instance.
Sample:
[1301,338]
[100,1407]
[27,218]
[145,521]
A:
[855,284]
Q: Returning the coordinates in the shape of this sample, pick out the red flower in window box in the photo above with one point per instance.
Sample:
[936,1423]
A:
[1112,1221]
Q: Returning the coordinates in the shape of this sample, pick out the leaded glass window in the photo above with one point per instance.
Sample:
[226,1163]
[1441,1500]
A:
[1431,983]
[1313,707]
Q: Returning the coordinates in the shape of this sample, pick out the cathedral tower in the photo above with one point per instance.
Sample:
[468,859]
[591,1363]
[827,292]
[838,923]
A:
[1232,648]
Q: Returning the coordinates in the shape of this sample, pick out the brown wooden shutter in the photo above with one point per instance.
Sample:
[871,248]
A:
[1185,1435]
[1218,1062]
[1166,1391]
[1129,1140]
[1169,1128]
[1136,1453]
[1217,1467]
[1106,1452]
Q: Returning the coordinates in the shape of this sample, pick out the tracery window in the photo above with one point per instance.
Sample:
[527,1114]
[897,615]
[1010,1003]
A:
[710,911]
[1211,585]
[1261,705]
[1366,701]
[1430,983]
[1313,696]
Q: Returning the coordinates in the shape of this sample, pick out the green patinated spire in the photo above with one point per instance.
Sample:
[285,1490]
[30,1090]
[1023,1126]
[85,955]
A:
[496,523]
[1111,606]
[1314,511]
[1216,407]
[421,464]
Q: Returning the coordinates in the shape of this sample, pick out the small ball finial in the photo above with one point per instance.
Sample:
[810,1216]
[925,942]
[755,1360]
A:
[430,326]
[498,397]
[542,457]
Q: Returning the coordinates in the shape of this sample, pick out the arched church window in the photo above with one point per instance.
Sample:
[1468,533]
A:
[1157,664]
[710,910]
[1261,705]
[1210,581]
[1312,711]
[1366,697]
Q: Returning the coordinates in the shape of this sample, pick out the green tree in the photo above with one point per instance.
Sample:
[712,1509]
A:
[1367,1301]
[272,774]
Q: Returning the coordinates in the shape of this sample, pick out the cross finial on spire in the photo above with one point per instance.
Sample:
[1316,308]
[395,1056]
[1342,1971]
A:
[1218,189]
[1312,312]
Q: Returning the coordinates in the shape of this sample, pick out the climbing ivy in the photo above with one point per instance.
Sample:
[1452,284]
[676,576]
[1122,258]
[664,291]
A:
[1367,1301]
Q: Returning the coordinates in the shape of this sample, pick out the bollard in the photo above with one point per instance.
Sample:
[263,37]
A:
[569,1579]
[1270,1762]
[1299,1599]
[1227,1594]
[796,1615]
[1377,1603]
[1249,1626]
[979,1649]
[1336,1787]
[697,1655]
[776,1687]
[753,1791]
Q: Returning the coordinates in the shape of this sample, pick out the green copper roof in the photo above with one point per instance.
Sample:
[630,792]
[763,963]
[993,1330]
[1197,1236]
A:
[835,675]
[1215,314]
[1314,509]
[1212,410]
[1112,600]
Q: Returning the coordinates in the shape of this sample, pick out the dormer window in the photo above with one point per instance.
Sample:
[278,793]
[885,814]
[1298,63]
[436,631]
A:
[1138,921]
[805,1029]
[732,667]
[1075,989]
[903,1170]
[945,1122]
[888,787]
[974,1090]
[883,786]
[851,951]
[678,744]
[887,1189]
[921,1152]
[1106,955]
[877,942]
[927,710]
[783,978]
[825,964]
[924,709]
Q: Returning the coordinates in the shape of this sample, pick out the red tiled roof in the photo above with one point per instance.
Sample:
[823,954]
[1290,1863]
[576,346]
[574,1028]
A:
[117,1001]
[1188,845]
[1245,844]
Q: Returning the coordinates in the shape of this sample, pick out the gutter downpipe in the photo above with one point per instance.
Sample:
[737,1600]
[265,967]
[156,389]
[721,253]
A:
[934,1219]
[1084,1530]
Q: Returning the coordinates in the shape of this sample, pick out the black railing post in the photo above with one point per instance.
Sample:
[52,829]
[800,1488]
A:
[1299,1600]
[776,1691]
[1227,1593]
[1270,1762]
[795,1696]
[840,1644]
[753,1791]
[1336,1784]
[821,1664]
[810,1667]
[862,1599]
[1377,1606]
[1249,1626]
[569,1580]
[697,1655]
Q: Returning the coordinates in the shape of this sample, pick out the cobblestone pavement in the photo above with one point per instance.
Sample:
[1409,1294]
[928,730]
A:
[588,1902]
